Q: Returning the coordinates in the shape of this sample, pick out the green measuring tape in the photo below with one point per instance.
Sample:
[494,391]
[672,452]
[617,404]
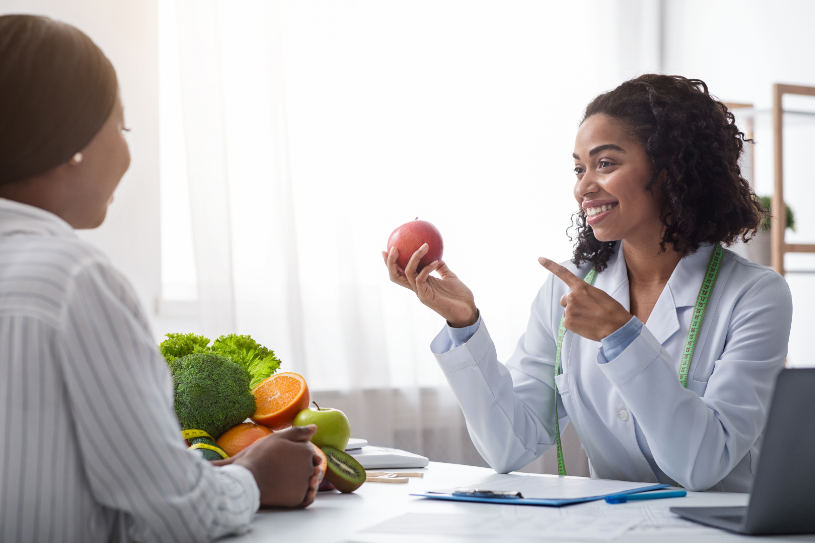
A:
[702,299]
[200,439]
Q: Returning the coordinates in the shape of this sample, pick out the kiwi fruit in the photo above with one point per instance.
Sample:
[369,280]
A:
[343,471]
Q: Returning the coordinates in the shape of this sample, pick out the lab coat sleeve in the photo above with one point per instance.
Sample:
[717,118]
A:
[698,440]
[509,409]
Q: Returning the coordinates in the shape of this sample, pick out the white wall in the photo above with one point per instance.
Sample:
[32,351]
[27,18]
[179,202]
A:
[127,33]
[740,48]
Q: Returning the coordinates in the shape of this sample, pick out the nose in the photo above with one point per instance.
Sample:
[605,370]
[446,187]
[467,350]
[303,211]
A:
[586,184]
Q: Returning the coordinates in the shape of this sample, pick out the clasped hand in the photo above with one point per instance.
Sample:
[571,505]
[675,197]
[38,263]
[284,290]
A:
[284,465]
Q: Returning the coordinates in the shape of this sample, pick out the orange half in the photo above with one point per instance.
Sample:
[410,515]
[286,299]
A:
[279,398]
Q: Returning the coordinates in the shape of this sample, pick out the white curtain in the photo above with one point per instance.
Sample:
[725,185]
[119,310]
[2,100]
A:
[313,128]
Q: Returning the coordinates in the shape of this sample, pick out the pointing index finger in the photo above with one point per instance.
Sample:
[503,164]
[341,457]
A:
[564,274]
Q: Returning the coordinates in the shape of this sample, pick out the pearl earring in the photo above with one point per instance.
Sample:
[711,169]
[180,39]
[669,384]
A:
[77,158]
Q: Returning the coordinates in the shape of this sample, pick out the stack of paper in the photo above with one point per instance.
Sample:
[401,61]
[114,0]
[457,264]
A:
[355,443]
[383,457]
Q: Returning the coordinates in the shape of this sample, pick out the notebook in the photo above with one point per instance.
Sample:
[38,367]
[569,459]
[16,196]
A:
[355,443]
[782,499]
[384,457]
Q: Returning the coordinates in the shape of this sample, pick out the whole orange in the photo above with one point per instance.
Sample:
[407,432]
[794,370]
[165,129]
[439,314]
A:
[241,436]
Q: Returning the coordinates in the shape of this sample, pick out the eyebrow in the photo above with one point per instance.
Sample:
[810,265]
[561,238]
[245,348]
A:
[600,149]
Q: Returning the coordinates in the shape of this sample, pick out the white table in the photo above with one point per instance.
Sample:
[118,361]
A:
[335,517]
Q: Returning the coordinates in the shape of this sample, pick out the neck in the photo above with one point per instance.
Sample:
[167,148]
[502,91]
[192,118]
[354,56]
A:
[43,191]
[647,265]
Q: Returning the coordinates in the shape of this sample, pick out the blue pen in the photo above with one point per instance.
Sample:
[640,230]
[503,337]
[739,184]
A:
[622,498]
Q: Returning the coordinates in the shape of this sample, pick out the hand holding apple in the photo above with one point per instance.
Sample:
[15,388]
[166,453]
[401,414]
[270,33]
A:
[333,428]
[410,236]
[445,294]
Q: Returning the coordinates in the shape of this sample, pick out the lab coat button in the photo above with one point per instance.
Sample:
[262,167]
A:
[622,414]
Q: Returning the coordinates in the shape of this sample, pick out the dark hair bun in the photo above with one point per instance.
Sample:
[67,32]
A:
[57,90]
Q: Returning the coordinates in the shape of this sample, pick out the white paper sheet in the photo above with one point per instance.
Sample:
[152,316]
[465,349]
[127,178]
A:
[658,520]
[594,521]
[513,522]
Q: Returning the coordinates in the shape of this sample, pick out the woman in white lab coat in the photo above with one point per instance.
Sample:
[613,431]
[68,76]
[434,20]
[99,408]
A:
[669,343]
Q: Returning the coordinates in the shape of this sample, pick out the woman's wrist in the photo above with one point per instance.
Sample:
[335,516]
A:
[465,322]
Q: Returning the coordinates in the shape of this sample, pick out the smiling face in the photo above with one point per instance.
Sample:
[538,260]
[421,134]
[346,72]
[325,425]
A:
[613,171]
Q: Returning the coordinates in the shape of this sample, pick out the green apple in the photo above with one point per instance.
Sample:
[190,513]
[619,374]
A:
[332,425]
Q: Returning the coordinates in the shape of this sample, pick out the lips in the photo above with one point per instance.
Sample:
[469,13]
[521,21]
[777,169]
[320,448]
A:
[595,212]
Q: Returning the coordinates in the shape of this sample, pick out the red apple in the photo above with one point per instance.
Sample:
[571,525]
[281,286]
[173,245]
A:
[412,235]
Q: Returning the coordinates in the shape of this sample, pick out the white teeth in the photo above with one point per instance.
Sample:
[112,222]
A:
[592,211]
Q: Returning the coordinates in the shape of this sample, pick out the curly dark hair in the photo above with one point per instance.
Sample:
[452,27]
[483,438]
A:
[694,146]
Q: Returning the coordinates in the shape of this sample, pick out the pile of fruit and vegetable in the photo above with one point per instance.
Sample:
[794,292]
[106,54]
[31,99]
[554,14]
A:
[228,394]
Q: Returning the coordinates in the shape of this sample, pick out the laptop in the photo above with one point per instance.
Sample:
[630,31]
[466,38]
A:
[782,499]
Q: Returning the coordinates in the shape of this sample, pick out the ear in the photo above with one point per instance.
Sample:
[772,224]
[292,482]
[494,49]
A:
[659,179]
[657,182]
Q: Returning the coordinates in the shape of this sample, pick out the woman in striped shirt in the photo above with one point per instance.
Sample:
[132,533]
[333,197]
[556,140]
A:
[90,447]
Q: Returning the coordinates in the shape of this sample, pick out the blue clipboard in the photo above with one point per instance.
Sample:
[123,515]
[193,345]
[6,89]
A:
[551,502]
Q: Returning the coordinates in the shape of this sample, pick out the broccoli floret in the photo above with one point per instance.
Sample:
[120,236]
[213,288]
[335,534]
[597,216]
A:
[211,393]
[178,345]
[256,359]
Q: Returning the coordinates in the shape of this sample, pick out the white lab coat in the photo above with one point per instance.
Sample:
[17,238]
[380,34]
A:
[704,437]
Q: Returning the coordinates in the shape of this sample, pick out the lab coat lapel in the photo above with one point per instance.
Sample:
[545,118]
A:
[680,291]
[663,321]
[614,279]
[687,278]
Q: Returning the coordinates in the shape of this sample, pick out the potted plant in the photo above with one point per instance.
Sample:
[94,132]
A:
[759,248]
[766,202]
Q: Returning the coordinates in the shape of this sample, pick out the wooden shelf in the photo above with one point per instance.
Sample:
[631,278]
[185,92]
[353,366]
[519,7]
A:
[778,220]
[749,111]
[799,247]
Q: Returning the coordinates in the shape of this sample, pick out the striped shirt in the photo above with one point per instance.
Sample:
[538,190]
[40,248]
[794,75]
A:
[90,448]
